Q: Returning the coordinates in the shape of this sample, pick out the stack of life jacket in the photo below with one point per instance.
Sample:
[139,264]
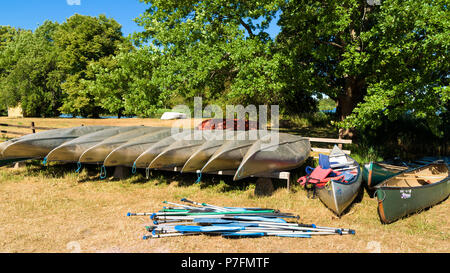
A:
[322,175]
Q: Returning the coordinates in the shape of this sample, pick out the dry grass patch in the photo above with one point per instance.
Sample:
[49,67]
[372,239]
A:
[49,210]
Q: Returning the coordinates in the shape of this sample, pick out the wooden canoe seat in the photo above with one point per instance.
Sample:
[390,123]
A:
[422,177]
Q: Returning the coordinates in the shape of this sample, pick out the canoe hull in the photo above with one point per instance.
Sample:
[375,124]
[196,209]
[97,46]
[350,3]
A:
[373,174]
[40,144]
[199,159]
[339,196]
[147,157]
[71,151]
[274,153]
[395,203]
[99,152]
[126,154]
[230,155]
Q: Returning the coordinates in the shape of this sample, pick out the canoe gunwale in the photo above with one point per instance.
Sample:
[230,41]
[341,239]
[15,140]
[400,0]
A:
[445,179]
[382,192]
[356,179]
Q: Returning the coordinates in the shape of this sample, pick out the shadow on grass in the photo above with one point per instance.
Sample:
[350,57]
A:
[91,173]
[221,183]
[36,168]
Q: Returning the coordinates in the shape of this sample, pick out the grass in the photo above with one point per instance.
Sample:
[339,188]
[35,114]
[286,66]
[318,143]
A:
[52,209]
[49,210]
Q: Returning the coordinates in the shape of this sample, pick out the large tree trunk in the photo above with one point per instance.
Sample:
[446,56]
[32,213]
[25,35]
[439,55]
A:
[353,94]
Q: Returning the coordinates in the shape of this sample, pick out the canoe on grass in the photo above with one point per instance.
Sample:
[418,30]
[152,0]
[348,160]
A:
[72,150]
[412,191]
[375,173]
[38,145]
[144,160]
[126,154]
[98,153]
[273,153]
[338,195]
[229,156]
[201,156]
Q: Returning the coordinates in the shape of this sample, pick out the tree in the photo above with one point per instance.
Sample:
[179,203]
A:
[219,50]
[374,60]
[83,40]
[7,34]
[30,63]
[123,83]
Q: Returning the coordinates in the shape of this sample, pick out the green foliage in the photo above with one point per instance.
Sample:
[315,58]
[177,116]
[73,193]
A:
[327,104]
[382,59]
[407,137]
[83,40]
[7,35]
[218,50]
[30,77]
[412,41]
[123,83]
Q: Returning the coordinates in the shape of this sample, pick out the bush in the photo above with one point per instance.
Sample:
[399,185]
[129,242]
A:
[407,138]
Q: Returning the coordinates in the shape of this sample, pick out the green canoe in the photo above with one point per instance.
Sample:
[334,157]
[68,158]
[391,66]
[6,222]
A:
[412,191]
[376,172]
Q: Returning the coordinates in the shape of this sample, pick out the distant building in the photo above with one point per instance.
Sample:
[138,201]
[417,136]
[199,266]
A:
[15,112]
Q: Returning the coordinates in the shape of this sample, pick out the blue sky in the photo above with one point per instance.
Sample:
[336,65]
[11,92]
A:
[29,14]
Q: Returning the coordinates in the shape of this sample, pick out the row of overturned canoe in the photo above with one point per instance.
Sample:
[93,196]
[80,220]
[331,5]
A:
[247,153]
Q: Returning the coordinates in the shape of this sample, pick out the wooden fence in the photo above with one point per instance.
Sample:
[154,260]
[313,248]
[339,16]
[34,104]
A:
[340,142]
[32,127]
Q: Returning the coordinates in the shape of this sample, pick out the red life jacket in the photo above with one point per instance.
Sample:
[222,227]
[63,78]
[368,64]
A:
[320,177]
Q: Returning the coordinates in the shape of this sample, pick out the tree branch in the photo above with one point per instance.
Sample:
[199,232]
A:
[333,44]
[247,27]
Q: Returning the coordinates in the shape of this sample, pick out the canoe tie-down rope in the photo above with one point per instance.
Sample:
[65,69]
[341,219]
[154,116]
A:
[147,173]
[199,175]
[103,174]
[134,169]
[79,167]
[45,161]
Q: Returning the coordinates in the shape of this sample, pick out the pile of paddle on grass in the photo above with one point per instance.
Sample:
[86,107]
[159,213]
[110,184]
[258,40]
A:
[201,218]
